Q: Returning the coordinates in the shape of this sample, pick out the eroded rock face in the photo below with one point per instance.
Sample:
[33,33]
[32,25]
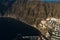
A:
[28,11]
[32,10]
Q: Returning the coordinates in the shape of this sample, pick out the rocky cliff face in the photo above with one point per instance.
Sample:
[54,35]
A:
[31,12]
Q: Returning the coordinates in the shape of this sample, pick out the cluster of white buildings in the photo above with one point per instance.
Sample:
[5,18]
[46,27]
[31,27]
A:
[54,25]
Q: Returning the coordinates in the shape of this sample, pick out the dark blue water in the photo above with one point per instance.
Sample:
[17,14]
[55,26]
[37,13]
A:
[10,28]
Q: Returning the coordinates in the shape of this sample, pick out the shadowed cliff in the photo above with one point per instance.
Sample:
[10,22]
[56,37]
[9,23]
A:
[5,5]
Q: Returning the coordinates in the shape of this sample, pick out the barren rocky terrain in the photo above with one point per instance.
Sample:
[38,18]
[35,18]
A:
[32,11]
